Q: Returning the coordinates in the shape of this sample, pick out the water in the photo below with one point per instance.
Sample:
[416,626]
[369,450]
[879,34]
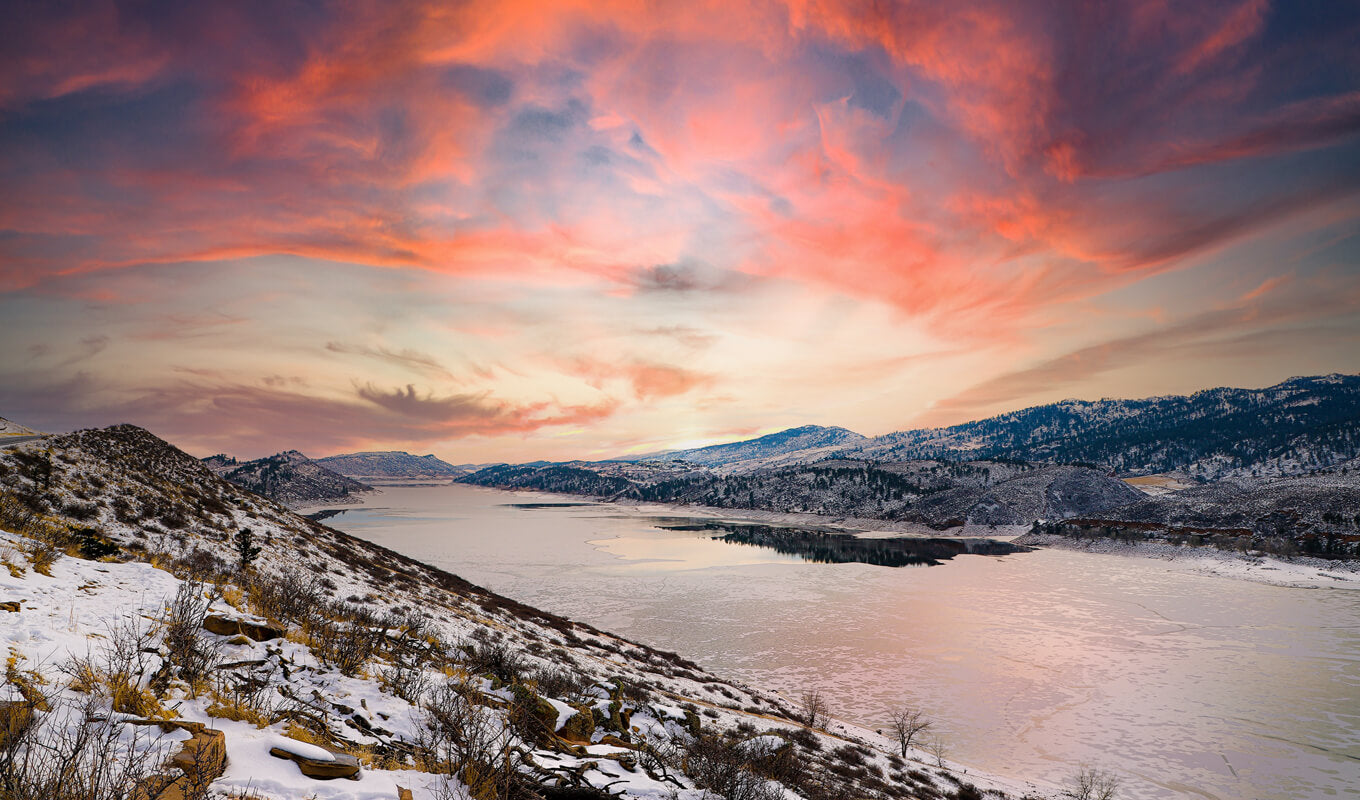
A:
[1031,663]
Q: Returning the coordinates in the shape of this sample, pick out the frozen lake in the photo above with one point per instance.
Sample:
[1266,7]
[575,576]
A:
[1032,663]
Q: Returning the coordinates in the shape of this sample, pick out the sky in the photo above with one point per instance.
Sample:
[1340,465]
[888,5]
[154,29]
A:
[504,231]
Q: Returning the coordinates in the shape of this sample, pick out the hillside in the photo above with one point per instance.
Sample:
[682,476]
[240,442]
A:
[1316,515]
[1292,428]
[939,494]
[11,428]
[226,670]
[805,441]
[390,465]
[288,477]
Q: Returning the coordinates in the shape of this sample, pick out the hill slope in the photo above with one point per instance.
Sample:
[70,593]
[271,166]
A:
[808,438]
[1296,426]
[288,477]
[390,465]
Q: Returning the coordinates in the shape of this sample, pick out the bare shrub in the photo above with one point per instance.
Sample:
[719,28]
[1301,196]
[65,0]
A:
[561,682]
[406,679]
[189,651]
[939,750]
[244,697]
[117,671]
[412,646]
[346,645]
[494,658]
[457,737]
[1091,783]
[724,768]
[78,752]
[813,708]
[42,555]
[289,597]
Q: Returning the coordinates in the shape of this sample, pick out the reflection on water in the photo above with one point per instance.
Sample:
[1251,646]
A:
[1184,685]
[823,547]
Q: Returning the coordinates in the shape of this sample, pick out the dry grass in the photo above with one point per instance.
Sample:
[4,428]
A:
[225,706]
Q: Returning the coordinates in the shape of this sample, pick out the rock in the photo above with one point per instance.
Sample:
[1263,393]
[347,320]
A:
[341,765]
[227,626]
[544,714]
[201,760]
[12,605]
[578,727]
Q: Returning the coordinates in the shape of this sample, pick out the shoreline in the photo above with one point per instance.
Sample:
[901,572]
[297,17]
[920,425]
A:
[1300,572]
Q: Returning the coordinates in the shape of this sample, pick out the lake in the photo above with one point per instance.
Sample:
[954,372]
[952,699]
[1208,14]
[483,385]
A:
[1031,663]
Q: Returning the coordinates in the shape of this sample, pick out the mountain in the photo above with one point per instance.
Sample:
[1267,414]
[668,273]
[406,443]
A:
[1299,425]
[151,647]
[808,440]
[391,465]
[940,494]
[288,477]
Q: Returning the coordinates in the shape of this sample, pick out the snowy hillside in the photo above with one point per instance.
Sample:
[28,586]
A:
[288,477]
[793,440]
[172,632]
[1300,425]
[390,465]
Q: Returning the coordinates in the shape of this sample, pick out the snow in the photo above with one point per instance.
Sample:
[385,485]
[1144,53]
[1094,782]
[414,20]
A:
[303,749]
[1300,572]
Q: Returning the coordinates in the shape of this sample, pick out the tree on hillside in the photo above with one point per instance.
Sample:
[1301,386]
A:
[906,725]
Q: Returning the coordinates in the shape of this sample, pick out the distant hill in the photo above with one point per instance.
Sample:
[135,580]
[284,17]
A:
[288,477]
[1297,426]
[794,440]
[391,465]
[939,494]
[11,428]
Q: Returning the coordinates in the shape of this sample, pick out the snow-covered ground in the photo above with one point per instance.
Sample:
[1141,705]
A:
[1298,572]
[71,613]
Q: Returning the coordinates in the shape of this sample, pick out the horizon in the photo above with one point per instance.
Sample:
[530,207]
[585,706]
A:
[753,437]
[509,233]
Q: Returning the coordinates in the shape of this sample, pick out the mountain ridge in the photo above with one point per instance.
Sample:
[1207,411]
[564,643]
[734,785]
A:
[1300,424]
[288,477]
[390,465]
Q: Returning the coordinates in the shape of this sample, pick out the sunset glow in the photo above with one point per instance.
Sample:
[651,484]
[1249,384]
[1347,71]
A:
[513,230]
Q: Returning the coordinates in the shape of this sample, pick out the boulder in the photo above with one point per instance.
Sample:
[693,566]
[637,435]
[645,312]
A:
[578,727]
[339,765]
[200,760]
[229,626]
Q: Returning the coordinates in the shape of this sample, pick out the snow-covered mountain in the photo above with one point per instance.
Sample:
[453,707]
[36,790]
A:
[1299,425]
[804,441]
[387,465]
[288,477]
